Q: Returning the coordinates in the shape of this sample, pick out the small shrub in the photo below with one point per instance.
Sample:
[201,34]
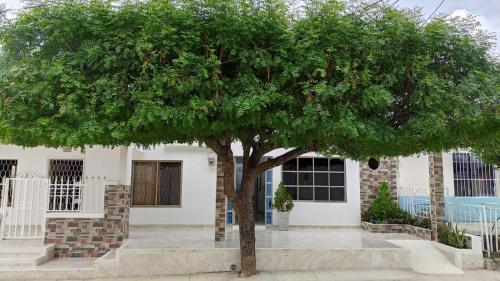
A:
[282,199]
[451,236]
[383,207]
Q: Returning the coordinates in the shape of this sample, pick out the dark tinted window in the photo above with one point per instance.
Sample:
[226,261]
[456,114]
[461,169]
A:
[321,193]
[336,165]
[321,164]
[305,164]
[313,179]
[290,165]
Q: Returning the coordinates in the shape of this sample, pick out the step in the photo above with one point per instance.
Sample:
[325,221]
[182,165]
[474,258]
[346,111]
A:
[178,261]
[108,258]
[22,261]
[24,250]
[17,255]
[425,258]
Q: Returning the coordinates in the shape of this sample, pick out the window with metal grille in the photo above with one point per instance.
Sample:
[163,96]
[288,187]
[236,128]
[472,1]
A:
[315,179]
[65,177]
[472,177]
[8,169]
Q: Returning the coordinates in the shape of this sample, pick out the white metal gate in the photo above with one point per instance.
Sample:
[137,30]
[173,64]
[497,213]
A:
[23,208]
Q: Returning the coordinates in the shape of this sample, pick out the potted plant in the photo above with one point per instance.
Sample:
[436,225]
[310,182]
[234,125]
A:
[283,204]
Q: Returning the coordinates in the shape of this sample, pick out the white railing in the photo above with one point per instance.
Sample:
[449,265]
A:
[479,220]
[26,202]
[415,201]
[22,208]
[84,195]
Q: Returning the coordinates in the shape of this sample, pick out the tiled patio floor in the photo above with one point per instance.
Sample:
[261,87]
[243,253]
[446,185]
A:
[295,238]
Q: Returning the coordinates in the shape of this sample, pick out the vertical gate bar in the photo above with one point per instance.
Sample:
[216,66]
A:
[11,213]
[32,207]
[496,228]
[58,192]
[16,206]
[44,203]
[68,187]
[486,230]
[490,213]
[5,193]
[23,192]
[37,210]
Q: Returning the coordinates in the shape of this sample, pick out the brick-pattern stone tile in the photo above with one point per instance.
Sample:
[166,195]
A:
[370,179]
[93,237]
[436,184]
[220,204]
[398,228]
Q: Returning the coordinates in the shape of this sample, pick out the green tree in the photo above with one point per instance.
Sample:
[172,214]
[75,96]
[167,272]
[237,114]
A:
[383,207]
[351,81]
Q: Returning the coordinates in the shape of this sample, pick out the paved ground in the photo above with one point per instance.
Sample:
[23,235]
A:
[295,238]
[375,275]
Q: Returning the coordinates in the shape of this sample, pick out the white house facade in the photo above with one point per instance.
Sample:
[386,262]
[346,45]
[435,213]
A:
[176,184]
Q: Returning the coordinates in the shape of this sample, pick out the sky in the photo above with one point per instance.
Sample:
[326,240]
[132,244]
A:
[487,11]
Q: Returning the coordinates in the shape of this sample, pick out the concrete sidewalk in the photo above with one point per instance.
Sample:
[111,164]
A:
[365,275]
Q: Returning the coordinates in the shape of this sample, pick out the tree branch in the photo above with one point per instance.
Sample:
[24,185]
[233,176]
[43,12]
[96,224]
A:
[296,152]
[215,145]
[258,151]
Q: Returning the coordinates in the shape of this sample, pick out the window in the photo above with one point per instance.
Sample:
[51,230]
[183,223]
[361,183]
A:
[472,177]
[65,176]
[156,183]
[8,169]
[65,170]
[315,179]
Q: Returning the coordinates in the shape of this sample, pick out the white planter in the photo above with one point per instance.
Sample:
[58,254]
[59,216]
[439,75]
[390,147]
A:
[463,258]
[283,220]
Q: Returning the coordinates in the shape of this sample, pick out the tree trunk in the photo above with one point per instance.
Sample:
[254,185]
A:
[243,200]
[246,221]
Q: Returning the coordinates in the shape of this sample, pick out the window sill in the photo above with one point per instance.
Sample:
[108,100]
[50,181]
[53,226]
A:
[154,207]
[75,215]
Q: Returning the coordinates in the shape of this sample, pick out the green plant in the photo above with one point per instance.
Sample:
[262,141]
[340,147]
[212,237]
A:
[451,236]
[383,207]
[282,199]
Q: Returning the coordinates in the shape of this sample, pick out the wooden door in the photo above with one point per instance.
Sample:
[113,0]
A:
[144,183]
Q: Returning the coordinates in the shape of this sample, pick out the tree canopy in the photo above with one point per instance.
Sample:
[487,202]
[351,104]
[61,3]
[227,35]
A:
[358,82]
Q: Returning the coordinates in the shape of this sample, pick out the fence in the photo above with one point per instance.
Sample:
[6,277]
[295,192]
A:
[478,216]
[479,220]
[67,195]
[25,203]
[415,201]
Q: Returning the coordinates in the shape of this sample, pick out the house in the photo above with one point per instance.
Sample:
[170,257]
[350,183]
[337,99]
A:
[176,184]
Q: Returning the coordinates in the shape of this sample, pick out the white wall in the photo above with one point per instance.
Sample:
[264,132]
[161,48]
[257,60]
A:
[449,189]
[414,172]
[197,187]
[325,213]
[198,182]
[98,161]
[198,191]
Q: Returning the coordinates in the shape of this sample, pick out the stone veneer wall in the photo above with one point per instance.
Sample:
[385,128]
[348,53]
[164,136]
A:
[220,204]
[92,237]
[370,179]
[436,184]
[398,228]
